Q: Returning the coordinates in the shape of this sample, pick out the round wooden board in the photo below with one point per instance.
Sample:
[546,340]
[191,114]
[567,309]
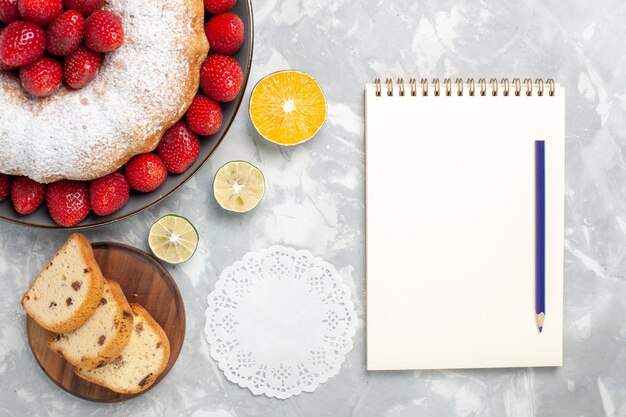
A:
[143,281]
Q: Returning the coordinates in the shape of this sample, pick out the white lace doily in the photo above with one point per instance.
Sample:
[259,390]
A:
[280,322]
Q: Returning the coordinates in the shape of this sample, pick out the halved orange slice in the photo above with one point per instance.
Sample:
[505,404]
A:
[287,107]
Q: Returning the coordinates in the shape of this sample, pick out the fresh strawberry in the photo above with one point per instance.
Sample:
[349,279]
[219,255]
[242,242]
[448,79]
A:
[65,33]
[218,6]
[179,148]
[221,77]
[68,202]
[108,194]
[3,66]
[21,43]
[103,31]
[225,33]
[41,12]
[204,116]
[27,195]
[43,77]
[9,12]
[84,7]
[5,186]
[81,67]
[146,172]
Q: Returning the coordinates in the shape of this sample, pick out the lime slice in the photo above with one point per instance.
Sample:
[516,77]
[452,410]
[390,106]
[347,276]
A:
[239,186]
[173,239]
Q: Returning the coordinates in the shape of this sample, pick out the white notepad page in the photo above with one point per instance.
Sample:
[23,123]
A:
[450,185]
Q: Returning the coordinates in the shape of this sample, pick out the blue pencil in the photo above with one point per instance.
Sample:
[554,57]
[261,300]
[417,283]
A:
[540,232]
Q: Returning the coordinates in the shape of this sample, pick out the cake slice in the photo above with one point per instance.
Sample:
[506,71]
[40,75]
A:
[139,365]
[67,291]
[103,337]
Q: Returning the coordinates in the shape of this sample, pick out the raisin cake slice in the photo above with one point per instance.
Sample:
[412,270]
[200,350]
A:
[67,291]
[139,365]
[103,337]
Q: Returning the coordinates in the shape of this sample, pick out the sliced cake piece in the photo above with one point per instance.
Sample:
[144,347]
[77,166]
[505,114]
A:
[68,290]
[139,365]
[103,337]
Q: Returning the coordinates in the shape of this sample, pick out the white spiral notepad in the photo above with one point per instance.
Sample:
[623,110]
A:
[450,186]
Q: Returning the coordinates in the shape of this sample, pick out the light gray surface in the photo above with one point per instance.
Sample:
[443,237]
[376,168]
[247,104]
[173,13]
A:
[315,201]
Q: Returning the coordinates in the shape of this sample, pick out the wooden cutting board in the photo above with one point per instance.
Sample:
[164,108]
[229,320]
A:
[143,281]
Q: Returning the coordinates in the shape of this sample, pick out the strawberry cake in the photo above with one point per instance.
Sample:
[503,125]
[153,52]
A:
[141,90]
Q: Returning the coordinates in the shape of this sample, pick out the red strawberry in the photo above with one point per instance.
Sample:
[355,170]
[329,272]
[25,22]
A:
[179,148]
[225,33]
[218,6]
[103,31]
[21,43]
[68,202]
[204,117]
[3,66]
[146,172]
[221,77]
[27,195]
[80,67]
[64,34]
[9,12]
[108,194]
[5,186]
[43,77]
[41,12]
[84,7]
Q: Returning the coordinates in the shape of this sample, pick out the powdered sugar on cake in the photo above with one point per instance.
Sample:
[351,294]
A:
[140,91]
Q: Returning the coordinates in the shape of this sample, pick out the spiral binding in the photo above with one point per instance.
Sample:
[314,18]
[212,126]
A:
[515,87]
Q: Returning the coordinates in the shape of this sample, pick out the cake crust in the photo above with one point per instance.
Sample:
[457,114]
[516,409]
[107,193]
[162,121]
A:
[117,341]
[91,299]
[143,382]
[142,89]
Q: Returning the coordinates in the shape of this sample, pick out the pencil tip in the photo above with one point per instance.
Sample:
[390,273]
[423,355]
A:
[540,318]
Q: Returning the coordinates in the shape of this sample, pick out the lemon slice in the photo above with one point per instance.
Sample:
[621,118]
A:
[287,107]
[239,186]
[173,239]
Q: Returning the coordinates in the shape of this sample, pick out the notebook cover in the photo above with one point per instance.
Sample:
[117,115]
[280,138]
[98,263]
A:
[450,230]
